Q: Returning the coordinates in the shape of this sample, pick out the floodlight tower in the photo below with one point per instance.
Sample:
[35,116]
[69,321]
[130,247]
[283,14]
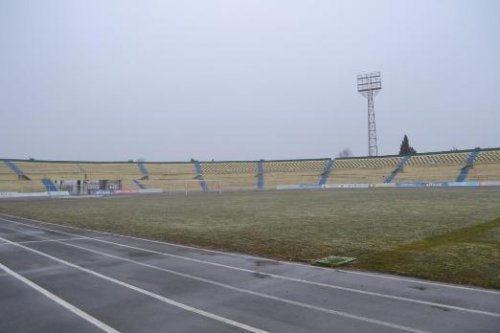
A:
[369,85]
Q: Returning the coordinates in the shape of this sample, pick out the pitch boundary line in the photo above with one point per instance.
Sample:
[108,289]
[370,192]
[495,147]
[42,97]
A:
[375,275]
[326,285]
[142,291]
[80,313]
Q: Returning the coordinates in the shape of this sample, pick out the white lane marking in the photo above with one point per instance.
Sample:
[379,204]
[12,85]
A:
[143,291]
[374,275]
[246,291]
[282,277]
[60,301]
[319,284]
[47,240]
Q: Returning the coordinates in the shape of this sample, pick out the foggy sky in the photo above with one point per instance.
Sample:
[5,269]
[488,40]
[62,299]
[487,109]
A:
[244,79]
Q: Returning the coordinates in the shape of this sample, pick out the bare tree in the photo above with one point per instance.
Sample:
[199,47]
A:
[346,152]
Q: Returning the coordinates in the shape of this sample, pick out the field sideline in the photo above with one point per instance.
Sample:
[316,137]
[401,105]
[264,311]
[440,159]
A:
[450,235]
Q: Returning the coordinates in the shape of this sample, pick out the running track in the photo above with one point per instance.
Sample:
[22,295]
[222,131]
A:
[62,279]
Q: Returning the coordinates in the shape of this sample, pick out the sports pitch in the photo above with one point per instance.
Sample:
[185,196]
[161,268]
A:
[450,235]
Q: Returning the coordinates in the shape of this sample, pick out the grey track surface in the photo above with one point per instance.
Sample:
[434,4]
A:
[137,285]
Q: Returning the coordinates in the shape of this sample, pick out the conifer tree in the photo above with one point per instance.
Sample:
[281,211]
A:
[405,148]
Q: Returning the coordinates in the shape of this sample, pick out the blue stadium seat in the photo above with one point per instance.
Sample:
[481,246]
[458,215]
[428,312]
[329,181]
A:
[326,172]
[17,170]
[49,185]
[139,184]
[199,176]
[143,170]
[464,171]
[260,174]
[400,167]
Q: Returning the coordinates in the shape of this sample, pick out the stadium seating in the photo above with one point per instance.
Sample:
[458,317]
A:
[170,176]
[49,185]
[143,170]
[326,172]
[440,167]
[252,175]
[489,156]
[16,169]
[246,174]
[486,166]
[260,175]
[36,170]
[139,184]
[10,182]
[234,175]
[399,168]
[181,169]
[110,171]
[21,186]
[199,176]
[293,172]
[464,171]
[362,170]
[6,173]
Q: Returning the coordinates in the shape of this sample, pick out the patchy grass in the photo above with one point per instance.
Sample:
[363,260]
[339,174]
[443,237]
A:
[469,255]
[403,231]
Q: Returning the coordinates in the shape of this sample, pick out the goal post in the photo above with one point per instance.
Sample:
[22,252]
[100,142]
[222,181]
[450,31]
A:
[202,186]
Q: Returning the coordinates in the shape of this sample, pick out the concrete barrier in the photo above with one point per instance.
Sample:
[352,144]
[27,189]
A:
[391,185]
[33,194]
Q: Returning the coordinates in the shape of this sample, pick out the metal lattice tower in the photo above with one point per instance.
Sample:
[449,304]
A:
[369,85]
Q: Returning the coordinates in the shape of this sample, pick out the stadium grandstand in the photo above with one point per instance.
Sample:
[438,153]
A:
[454,167]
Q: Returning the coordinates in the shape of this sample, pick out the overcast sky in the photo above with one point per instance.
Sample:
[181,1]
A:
[244,79]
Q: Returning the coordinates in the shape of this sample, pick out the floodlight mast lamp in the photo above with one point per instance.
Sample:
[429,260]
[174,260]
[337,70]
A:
[369,85]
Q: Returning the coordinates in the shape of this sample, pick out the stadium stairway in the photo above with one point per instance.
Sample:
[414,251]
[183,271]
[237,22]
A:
[199,176]
[400,167]
[49,185]
[139,184]
[260,174]
[326,172]
[143,170]
[17,170]
[469,164]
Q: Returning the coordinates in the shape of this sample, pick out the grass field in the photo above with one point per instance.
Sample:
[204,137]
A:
[450,235]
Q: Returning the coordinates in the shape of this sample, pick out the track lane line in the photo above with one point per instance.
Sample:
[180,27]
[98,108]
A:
[369,274]
[143,291]
[223,285]
[68,306]
[282,277]
[46,240]
[250,292]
